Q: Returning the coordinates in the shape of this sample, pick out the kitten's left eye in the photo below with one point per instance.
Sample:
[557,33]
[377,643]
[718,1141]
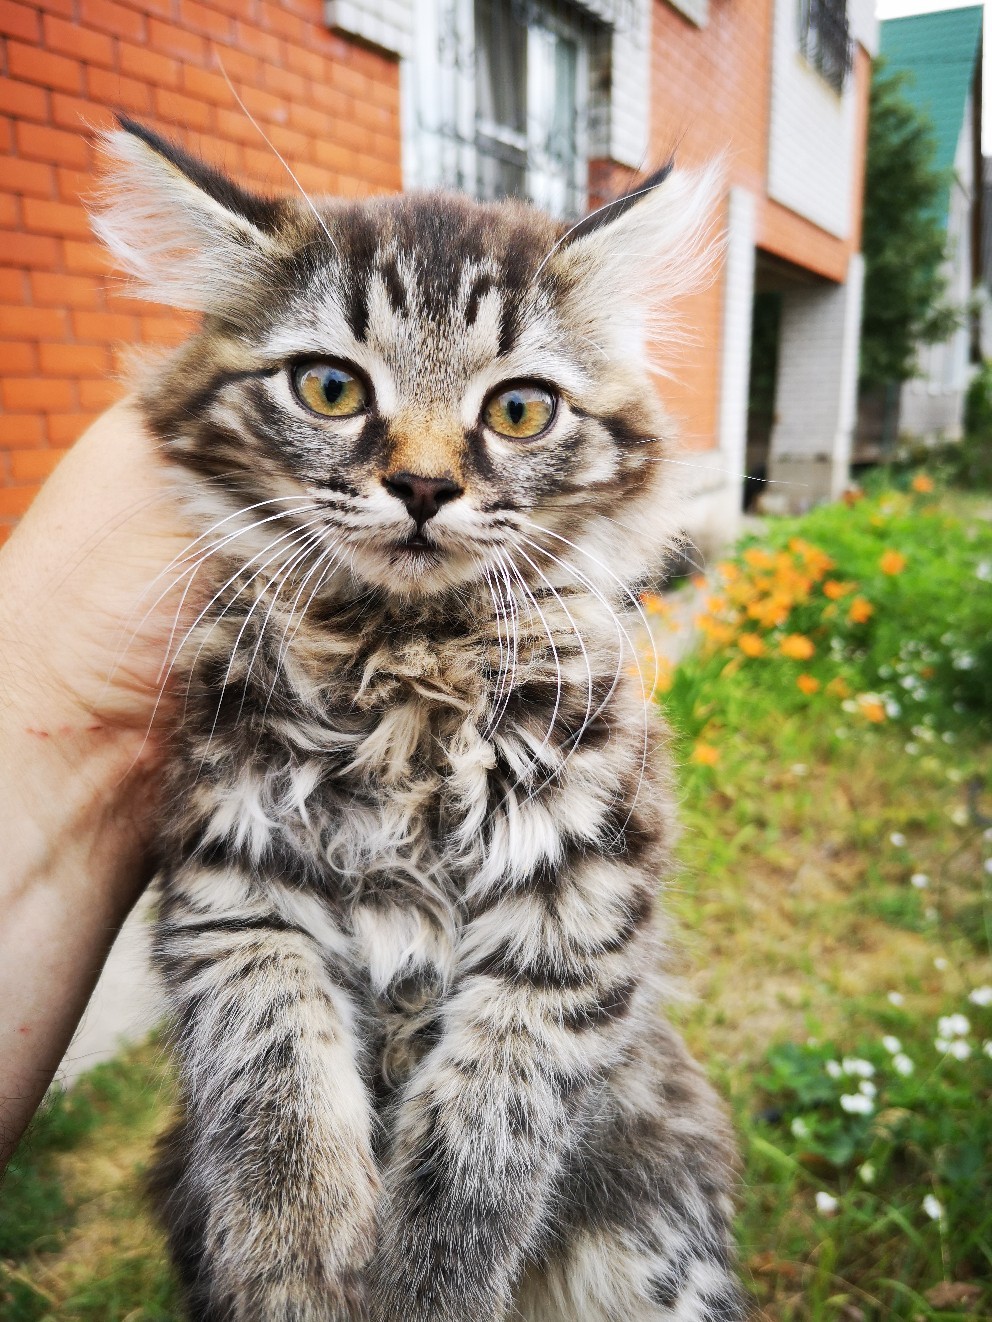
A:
[520,412]
[329,390]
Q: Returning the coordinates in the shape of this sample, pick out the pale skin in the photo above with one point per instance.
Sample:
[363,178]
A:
[82,643]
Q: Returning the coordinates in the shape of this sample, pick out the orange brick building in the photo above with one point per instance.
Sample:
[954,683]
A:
[541,97]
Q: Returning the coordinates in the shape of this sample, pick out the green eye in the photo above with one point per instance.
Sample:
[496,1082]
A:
[520,412]
[331,391]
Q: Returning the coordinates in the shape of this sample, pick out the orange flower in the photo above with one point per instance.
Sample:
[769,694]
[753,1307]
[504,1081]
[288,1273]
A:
[839,688]
[851,496]
[834,589]
[751,644]
[716,605]
[797,647]
[654,604]
[758,558]
[705,755]
[871,709]
[922,482]
[861,611]
[892,562]
[808,683]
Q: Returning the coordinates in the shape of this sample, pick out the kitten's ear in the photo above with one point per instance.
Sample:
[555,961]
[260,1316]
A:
[629,261]
[186,234]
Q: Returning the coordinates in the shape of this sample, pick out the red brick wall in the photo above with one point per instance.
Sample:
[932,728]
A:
[330,106]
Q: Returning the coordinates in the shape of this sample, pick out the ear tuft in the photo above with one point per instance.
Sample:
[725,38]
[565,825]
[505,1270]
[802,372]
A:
[629,262]
[186,234]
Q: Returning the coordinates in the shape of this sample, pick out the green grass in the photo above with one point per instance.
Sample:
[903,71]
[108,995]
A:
[798,921]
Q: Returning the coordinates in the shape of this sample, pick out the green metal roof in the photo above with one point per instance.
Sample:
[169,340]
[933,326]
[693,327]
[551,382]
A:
[939,51]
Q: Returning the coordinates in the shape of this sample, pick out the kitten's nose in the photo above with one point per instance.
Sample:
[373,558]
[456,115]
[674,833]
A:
[423,496]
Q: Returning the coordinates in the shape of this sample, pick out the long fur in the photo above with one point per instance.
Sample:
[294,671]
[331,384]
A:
[419,808]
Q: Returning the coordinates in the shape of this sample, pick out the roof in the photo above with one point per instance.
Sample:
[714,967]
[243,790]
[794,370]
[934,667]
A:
[939,51]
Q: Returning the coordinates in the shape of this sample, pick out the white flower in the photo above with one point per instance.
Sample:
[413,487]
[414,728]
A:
[855,1065]
[849,705]
[983,570]
[799,1127]
[953,1025]
[920,880]
[898,839]
[867,1088]
[949,737]
[987,833]
[987,865]
[840,732]
[959,815]
[867,1172]
[940,963]
[891,1044]
[895,998]
[799,768]
[955,775]
[892,708]
[855,1103]
[942,1044]
[902,1064]
[826,1203]
[981,996]
[959,1049]
[932,1207]
[833,1069]
[987,1048]
[912,749]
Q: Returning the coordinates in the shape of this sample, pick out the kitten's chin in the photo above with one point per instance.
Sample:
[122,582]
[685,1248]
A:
[414,568]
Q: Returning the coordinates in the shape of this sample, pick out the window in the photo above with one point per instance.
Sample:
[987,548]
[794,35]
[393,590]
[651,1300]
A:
[510,99]
[825,39]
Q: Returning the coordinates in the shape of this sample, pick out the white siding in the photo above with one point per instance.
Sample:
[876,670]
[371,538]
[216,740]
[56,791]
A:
[812,148]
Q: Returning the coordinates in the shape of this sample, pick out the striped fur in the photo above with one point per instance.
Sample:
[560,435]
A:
[418,807]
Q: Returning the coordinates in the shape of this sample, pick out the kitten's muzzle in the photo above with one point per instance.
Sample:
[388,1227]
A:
[422,496]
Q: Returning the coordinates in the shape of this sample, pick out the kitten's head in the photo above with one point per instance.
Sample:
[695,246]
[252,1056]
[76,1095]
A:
[438,388]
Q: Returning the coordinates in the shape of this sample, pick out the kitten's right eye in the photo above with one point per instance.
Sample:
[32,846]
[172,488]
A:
[329,390]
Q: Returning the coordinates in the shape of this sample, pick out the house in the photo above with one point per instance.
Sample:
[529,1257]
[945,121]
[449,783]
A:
[562,102]
[942,55]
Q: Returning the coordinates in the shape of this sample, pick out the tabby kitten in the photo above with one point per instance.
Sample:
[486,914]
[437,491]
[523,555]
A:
[417,811]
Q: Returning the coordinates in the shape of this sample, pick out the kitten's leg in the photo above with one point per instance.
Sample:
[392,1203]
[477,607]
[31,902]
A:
[268,1187]
[546,980]
[644,1229]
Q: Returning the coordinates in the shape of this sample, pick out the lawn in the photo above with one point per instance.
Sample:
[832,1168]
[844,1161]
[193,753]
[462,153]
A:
[833,914]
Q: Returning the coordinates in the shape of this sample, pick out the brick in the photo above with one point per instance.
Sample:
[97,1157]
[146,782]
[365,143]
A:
[86,258]
[241,67]
[172,40]
[35,65]
[184,110]
[33,465]
[75,359]
[104,327]
[65,428]
[18,429]
[13,288]
[10,212]
[40,143]
[106,16]
[6,134]
[27,176]
[290,87]
[263,44]
[203,18]
[206,86]
[100,394]
[81,116]
[71,291]
[17,357]
[26,394]
[235,126]
[115,90]
[74,185]
[23,100]
[15,500]
[63,218]
[19,21]
[32,323]
[82,42]
[149,65]
[32,250]
[274,18]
